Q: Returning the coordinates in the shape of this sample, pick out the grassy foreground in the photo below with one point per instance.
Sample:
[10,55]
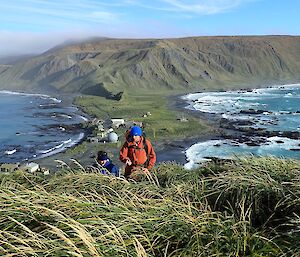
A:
[250,207]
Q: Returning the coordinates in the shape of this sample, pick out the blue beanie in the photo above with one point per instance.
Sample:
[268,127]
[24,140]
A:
[102,156]
[136,131]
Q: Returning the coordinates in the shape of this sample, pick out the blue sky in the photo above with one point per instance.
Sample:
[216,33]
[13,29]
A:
[33,26]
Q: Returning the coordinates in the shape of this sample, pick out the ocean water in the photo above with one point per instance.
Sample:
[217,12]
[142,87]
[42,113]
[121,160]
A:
[35,126]
[274,109]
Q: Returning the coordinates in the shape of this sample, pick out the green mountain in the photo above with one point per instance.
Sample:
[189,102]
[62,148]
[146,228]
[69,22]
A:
[103,66]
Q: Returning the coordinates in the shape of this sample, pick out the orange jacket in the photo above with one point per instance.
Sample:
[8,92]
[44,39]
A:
[137,153]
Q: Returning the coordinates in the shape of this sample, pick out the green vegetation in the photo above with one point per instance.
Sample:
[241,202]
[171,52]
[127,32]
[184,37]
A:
[161,126]
[106,67]
[162,122]
[248,207]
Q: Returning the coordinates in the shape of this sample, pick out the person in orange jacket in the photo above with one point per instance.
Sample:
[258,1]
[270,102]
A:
[137,152]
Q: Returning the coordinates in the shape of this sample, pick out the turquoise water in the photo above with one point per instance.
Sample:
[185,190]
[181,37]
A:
[35,126]
[277,109]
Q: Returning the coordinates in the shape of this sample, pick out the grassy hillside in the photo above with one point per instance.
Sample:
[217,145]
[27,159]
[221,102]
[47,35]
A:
[108,66]
[245,208]
[162,122]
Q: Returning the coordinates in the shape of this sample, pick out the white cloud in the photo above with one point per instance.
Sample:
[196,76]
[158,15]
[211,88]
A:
[16,43]
[65,12]
[102,16]
[202,7]
[34,26]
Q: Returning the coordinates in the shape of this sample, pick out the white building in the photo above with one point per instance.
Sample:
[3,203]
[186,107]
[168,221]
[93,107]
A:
[30,167]
[117,122]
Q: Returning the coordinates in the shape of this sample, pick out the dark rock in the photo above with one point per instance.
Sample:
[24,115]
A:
[252,143]
[254,112]
[291,134]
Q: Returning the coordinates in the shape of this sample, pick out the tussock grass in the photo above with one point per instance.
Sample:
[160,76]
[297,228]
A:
[249,207]
[267,186]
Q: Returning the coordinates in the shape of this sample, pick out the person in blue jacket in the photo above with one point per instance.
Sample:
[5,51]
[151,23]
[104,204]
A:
[106,163]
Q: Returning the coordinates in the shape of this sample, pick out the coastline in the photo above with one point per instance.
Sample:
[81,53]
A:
[245,134]
[175,149]
[167,149]
[66,110]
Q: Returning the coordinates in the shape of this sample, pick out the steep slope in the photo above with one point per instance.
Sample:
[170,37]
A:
[113,65]
[3,68]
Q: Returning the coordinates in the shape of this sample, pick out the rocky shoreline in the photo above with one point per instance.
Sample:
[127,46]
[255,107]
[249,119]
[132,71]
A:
[175,150]
[237,131]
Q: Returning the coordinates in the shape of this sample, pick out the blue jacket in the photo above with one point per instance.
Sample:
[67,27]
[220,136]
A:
[113,169]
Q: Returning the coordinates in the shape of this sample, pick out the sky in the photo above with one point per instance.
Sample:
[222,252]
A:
[34,26]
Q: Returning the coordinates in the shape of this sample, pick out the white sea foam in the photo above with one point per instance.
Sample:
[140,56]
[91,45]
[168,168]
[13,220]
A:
[34,126]
[30,94]
[269,90]
[67,141]
[10,152]
[227,149]
[217,102]
[59,115]
[51,149]
[83,118]
[50,105]
[62,146]
[196,154]
[287,143]
[274,113]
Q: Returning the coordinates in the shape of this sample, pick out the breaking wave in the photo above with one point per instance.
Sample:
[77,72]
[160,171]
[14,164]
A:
[275,109]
